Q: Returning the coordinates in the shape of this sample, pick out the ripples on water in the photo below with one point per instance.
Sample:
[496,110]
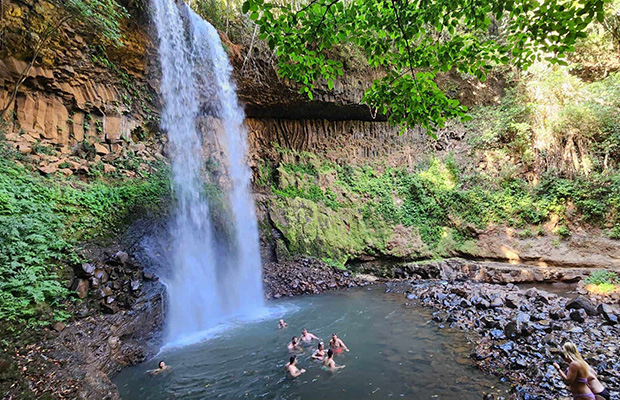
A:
[395,353]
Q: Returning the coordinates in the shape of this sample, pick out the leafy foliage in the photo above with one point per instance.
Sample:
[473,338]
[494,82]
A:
[414,41]
[603,276]
[436,200]
[42,220]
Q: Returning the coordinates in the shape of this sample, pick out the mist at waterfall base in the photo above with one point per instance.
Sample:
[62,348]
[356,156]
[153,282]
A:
[215,271]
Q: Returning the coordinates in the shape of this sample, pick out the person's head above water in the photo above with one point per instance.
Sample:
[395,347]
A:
[294,340]
[304,331]
[334,336]
[161,364]
[320,346]
[292,360]
[330,353]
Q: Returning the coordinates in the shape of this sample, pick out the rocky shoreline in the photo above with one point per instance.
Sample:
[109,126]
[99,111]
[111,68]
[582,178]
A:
[517,333]
[305,276]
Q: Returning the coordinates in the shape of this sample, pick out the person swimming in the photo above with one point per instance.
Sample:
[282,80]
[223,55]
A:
[282,324]
[576,376]
[319,354]
[337,344]
[307,337]
[294,345]
[329,363]
[292,369]
[161,367]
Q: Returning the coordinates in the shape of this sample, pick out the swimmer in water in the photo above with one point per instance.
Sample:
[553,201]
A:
[337,344]
[161,367]
[329,363]
[294,345]
[320,352]
[282,324]
[292,369]
[307,337]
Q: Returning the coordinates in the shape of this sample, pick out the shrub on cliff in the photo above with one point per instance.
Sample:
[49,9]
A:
[41,222]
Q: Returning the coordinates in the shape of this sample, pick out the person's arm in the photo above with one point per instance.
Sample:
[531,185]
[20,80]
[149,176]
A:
[313,336]
[343,345]
[562,374]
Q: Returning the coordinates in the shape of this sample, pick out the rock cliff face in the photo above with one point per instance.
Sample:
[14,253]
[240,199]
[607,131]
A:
[78,102]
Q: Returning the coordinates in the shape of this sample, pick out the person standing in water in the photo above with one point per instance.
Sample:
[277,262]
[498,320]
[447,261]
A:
[319,354]
[329,363]
[292,369]
[307,337]
[282,324]
[294,345]
[337,344]
[576,376]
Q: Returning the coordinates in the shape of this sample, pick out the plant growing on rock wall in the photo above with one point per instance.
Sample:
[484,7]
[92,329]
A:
[100,17]
[414,40]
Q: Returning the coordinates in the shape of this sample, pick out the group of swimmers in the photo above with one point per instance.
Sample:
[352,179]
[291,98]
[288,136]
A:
[336,346]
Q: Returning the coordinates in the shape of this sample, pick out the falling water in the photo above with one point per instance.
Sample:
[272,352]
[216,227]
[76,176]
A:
[213,277]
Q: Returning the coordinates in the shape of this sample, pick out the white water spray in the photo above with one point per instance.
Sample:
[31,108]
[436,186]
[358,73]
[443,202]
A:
[208,284]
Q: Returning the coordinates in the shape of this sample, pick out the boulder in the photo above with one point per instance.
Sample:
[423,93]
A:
[582,303]
[608,314]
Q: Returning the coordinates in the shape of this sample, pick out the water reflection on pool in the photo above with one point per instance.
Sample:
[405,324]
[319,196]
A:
[395,353]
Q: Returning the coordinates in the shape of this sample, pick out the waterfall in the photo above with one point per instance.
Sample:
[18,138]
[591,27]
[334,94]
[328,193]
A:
[214,276]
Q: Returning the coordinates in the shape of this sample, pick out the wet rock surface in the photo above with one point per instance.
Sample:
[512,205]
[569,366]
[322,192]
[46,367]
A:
[116,324]
[305,276]
[520,340]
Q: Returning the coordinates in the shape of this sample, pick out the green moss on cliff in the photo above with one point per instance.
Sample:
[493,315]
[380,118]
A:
[342,212]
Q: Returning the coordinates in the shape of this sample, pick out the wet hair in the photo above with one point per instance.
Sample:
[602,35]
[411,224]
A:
[330,353]
[292,359]
[294,339]
[319,345]
[570,352]
[304,329]
[333,334]
[160,363]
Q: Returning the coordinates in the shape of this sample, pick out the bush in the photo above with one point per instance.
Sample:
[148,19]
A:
[41,222]
[603,277]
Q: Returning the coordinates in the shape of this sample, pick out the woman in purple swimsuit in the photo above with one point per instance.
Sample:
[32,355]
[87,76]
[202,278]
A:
[576,376]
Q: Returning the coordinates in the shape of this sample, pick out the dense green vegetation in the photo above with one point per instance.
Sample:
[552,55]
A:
[441,204]
[43,220]
[414,41]
[604,281]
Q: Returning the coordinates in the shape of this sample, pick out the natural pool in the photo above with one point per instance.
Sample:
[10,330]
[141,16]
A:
[396,352]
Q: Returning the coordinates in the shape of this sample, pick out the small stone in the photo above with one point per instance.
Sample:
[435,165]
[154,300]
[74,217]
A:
[82,288]
[85,270]
[578,315]
[59,326]
[607,314]
[135,285]
[557,314]
[575,329]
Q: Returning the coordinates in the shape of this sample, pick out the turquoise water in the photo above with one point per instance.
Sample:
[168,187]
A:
[396,352]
